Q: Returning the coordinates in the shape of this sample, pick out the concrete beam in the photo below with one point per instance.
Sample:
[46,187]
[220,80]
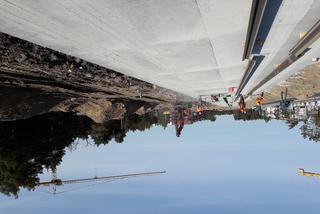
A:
[190,46]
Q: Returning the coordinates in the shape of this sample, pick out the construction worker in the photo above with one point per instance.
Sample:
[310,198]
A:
[285,102]
[214,98]
[259,100]
[242,105]
[179,122]
[199,110]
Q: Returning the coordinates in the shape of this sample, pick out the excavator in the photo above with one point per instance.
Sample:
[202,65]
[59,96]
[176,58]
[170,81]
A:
[301,172]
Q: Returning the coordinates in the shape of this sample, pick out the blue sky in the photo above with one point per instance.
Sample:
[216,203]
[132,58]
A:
[224,166]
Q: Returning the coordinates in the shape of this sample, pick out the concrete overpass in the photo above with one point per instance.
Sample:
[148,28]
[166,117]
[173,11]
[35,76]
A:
[292,20]
[190,46]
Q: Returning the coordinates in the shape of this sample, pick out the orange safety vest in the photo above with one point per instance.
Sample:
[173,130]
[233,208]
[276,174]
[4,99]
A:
[259,101]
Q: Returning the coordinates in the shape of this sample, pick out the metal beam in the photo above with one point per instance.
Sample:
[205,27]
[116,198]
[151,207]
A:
[310,37]
[246,76]
[288,61]
[256,14]
[294,54]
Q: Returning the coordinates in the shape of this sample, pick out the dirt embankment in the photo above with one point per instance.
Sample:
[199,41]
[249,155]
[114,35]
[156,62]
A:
[35,80]
[302,85]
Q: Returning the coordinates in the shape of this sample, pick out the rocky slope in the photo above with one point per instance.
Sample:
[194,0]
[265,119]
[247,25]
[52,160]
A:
[36,80]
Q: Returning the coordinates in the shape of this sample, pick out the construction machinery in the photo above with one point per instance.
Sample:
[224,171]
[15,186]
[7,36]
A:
[54,182]
[301,172]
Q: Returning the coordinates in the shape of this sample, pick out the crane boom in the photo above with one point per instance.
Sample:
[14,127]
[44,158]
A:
[59,182]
